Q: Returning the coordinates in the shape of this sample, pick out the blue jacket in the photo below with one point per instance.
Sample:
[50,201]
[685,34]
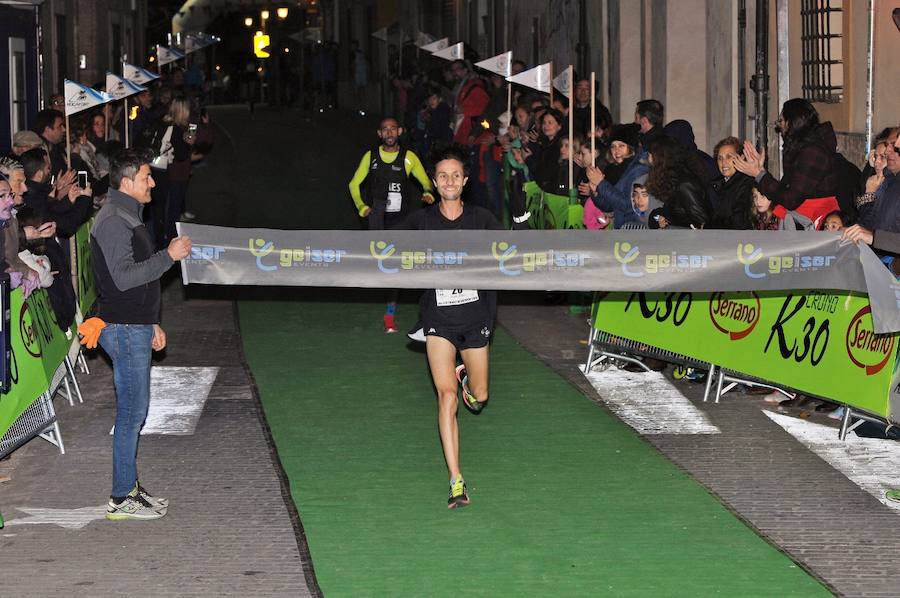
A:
[617,198]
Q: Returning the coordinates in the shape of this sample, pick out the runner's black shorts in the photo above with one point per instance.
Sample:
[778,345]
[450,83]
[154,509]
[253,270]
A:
[469,336]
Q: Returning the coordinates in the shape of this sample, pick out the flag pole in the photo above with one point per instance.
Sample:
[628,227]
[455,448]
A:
[68,143]
[551,84]
[509,90]
[126,123]
[571,132]
[593,119]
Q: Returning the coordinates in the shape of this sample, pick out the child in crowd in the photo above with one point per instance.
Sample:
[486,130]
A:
[643,202]
[762,216]
[835,222]
[562,186]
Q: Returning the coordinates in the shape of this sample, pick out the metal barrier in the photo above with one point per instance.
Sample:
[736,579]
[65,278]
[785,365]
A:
[605,350]
[38,420]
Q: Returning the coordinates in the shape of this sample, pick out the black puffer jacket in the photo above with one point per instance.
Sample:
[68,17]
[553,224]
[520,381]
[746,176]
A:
[733,203]
[687,206]
[544,162]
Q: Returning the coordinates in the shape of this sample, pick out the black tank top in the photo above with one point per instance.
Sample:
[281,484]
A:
[387,183]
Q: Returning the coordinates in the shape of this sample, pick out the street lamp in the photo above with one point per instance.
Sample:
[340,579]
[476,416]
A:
[282,12]
[264,14]
[248,21]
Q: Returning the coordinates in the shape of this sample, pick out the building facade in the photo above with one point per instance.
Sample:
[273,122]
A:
[696,56]
[44,42]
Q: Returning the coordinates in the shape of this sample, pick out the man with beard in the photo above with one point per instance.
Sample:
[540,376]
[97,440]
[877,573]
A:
[582,111]
[50,125]
[456,321]
[386,198]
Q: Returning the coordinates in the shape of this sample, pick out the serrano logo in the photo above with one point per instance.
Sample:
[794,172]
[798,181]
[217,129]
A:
[533,261]
[749,255]
[656,263]
[413,259]
[734,315]
[866,349]
[291,257]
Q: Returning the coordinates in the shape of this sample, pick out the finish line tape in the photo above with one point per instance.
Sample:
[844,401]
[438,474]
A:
[543,260]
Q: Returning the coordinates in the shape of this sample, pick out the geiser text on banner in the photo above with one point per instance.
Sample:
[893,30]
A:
[558,260]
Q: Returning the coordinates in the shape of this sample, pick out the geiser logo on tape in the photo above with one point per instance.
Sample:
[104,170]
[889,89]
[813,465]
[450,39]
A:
[749,255]
[204,254]
[656,263]
[386,254]
[289,257]
[534,261]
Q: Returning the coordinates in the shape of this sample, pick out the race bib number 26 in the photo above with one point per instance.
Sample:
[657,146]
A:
[446,297]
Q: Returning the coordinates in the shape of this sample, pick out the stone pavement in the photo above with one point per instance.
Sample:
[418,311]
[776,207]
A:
[794,499]
[231,529]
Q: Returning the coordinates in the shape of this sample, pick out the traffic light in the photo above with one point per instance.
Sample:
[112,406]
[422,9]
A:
[261,45]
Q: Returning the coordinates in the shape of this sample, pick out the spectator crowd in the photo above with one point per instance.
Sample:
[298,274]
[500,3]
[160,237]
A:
[648,173]
[49,188]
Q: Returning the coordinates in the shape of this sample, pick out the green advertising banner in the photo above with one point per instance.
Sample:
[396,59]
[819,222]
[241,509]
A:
[87,292]
[38,347]
[817,342]
[550,211]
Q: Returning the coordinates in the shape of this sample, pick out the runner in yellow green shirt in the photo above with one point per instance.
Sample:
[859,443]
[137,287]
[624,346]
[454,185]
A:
[381,190]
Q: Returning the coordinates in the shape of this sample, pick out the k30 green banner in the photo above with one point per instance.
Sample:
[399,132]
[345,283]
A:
[38,348]
[817,342]
[87,292]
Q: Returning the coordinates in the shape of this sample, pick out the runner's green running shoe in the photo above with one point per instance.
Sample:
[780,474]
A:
[458,495]
[893,495]
[468,399]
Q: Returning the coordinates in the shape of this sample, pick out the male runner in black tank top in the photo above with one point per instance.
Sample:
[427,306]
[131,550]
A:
[456,320]
[381,191]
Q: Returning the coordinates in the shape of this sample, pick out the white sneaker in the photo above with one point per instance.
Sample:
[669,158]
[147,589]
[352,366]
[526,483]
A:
[132,508]
[417,335]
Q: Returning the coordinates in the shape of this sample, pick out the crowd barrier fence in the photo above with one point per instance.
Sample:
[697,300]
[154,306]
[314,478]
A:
[43,357]
[819,343]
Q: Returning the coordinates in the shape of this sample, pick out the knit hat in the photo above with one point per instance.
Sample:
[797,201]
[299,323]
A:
[626,133]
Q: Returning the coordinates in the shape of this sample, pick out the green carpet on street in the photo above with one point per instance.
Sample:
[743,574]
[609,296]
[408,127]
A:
[566,500]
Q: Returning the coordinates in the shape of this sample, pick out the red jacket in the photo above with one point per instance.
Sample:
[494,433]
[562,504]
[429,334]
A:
[471,102]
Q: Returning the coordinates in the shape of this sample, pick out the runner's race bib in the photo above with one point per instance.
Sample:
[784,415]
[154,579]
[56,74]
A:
[447,297]
[394,198]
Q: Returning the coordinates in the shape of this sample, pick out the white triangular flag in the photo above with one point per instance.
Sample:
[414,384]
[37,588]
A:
[166,55]
[454,52]
[437,46]
[423,39]
[193,42]
[563,82]
[136,74]
[500,64]
[381,34]
[118,87]
[79,97]
[537,78]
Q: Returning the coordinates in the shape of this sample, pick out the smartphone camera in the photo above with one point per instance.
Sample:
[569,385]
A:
[82,179]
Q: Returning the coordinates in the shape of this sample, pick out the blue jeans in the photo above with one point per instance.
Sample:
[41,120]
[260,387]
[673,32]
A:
[128,345]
